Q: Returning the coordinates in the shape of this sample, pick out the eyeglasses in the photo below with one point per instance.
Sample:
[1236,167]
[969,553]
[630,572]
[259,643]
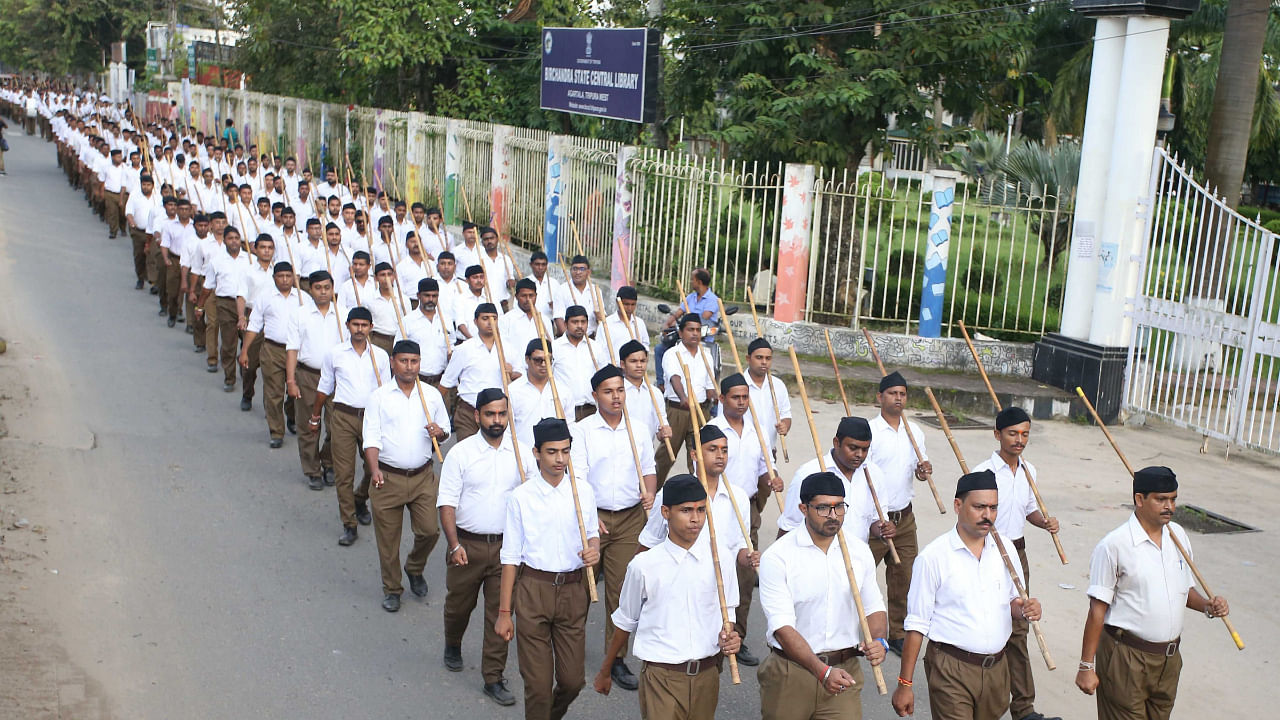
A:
[829,510]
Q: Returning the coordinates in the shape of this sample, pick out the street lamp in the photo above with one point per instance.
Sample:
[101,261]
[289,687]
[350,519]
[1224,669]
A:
[1164,122]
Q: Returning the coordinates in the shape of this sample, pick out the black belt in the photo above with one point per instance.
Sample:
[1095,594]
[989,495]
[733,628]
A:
[831,657]
[308,368]
[619,512]
[983,661]
[1020,544]
[479,537]
[384,467]
[692,667]
[382,334]
[430,379]
[895,516]
[1124,637]
[345,408]
[273,343]
[555,578]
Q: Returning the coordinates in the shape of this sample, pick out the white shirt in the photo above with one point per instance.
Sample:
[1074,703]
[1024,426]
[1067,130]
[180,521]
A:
[349,377]
[497,271]
[225,274]
[1015,499]
[473,368]
[354,293]
[574,365]
[337,263]
[113,177]
[570,295]
[548,287]
[385,319]
[396,424]
[603,455]
[891,451]
[256,280]
[141,208]
[312,333]
[462,307]
[541,528]
[641,406]
[669,603]
[803,588]
[746,464]
[201,254]
[174,235]
[1145,587]
[862,510]
[729,537]
[430,335]
[529,405]
[762,401]
[273,311]
[617,332]
[699,380]
[517,330]
[410,272]
[476,480]
[465,257]
[961,600]
[433,243]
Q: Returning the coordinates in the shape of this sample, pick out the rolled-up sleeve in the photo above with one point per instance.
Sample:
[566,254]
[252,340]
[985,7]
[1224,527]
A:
[627,616]
[373,422]
[922,596]
[775,595]
[1102,573]
[512,534]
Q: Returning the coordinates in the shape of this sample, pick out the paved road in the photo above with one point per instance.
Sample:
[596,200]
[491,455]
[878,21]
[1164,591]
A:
[195,571]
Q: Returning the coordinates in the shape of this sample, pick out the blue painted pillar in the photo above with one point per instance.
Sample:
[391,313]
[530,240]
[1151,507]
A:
[935,259]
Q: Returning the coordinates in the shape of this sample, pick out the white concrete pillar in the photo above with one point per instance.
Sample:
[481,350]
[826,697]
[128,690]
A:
[1120,242]
[1091,192]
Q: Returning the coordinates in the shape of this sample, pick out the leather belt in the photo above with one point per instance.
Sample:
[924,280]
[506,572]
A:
[308,368]
[831,657]
[430,379]
[1020,544]
[555,578]
[273,343]
[1124,637]
[399,471]
[345,408]
[895,516]
[692,667]
[375,333]
[982,661]
[479,537]
[619,512]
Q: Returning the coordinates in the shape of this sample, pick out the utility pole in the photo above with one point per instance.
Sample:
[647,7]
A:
[656,9]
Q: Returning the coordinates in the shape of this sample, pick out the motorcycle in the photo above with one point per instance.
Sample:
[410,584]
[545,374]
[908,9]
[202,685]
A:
[670,337]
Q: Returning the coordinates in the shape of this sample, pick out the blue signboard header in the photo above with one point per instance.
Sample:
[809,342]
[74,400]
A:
[603,72]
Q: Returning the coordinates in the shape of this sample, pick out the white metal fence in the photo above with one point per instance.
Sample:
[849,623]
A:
[1206,344]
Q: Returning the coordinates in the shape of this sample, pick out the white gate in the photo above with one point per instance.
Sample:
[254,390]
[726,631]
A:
[1205,352]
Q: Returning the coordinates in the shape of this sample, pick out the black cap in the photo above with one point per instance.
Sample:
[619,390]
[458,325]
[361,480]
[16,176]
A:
[630,348]
[681,489]
[854,428]
[550,430]
[488,395]
[473,270]
[360,313]
[605,373]
[406,346]
[383,266]
[486,308]
[1011,416]
[688,318]
[1155,479]
[428,285]
[821,483]
[893,379]
[710,433]
[732,381]
[981,480]
[626,292]
[574,311]
[758,344]
[526,284]
[446,255]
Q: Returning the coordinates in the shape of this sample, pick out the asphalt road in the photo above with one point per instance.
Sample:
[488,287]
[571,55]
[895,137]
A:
[197,576]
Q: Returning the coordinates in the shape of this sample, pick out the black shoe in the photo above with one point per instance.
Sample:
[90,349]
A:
[315,482]
[453,658]
[172,322]
[246,404]
[499,693]
[1033,715]
[112,236]
[199,349]
[162,311]
[137,285]
[182,320]
[155,290]
[746,658]
[276,443]
[362,514]
[229,387]
[391,603]
[348,536]
[328,476]
[292,427]
[896,646]
[417,584]
[622,676]
[211,368]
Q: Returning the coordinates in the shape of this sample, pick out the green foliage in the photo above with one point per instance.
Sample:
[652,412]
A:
[70,36]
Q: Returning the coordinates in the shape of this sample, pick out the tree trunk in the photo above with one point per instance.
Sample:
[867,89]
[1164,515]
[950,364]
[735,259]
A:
[1235,95]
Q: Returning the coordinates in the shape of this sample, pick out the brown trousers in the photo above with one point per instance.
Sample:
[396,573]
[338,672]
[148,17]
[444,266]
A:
[249,375]
[616,551]
[747,575]
[551,637]
[229,336]
[1022,684]
[156,259]
[464,420]
[417,494]
[1135,685]
[314,455]
[483,572]
[348,439]
[583,412]
[140,240]
[386,342]
[789,692]
[113,211]
[961,691]
[671,695]
[898,577]
[271,359]
[682,429]
[211,332]
[170,296]
[199,322]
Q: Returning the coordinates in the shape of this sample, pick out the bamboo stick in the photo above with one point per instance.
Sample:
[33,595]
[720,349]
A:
[755,317]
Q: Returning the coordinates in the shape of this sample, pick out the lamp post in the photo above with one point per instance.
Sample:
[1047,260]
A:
[1165,122]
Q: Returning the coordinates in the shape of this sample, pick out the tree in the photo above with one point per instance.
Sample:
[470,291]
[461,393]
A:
[1239,83]
[70,36]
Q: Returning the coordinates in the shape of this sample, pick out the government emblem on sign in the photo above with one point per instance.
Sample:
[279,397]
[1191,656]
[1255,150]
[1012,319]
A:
[546,43]
[588,44]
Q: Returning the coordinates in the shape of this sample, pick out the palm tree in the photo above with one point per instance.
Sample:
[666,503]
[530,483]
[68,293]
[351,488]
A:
[1239,82]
